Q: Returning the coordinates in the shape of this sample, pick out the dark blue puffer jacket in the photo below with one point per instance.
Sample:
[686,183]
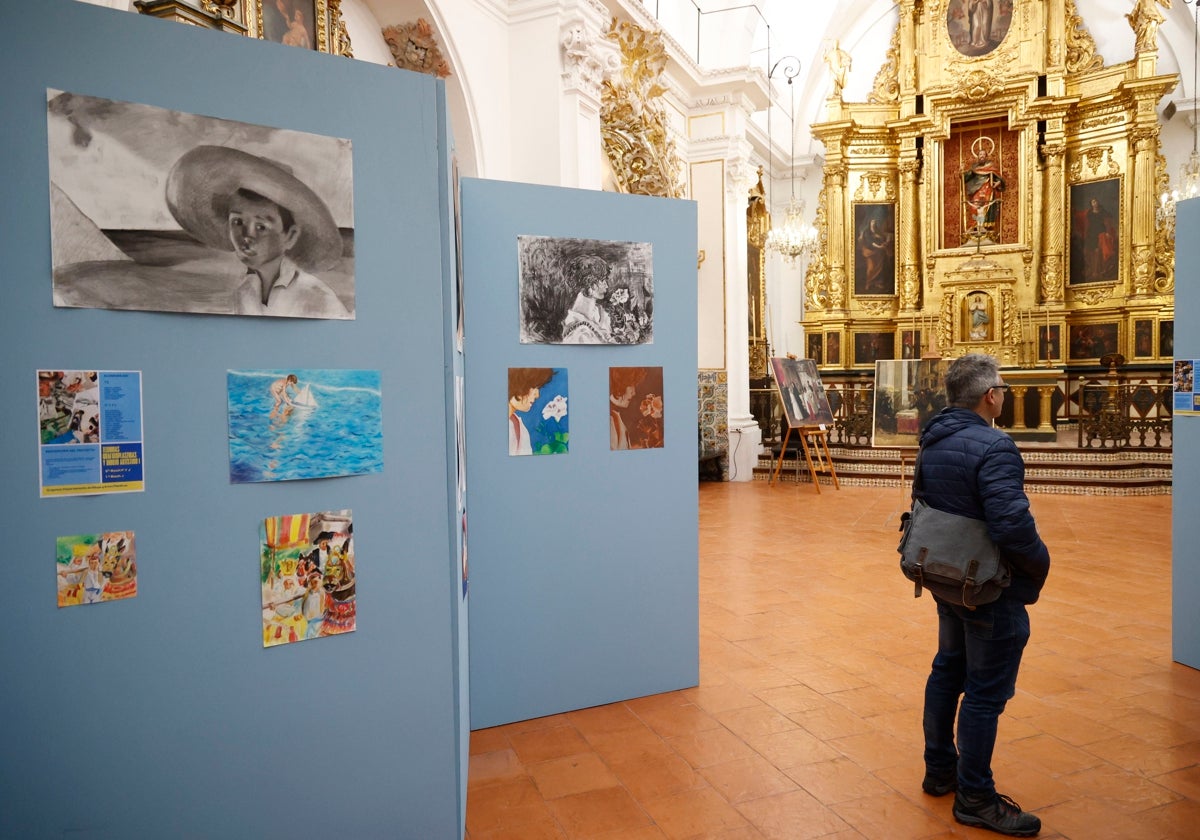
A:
[972,469]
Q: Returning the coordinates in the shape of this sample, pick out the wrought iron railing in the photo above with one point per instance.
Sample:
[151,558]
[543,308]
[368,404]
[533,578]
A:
[852,404]
[1125,416]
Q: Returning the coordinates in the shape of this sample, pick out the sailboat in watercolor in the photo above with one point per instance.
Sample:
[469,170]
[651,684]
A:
[305,398]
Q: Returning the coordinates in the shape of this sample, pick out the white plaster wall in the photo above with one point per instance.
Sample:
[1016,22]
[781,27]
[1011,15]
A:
[535,82]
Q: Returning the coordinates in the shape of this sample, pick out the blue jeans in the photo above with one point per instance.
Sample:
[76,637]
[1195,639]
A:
[979,652]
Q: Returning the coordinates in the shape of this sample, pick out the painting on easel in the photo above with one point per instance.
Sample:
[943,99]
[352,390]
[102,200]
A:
[907,393]
[801,393]
[806,409]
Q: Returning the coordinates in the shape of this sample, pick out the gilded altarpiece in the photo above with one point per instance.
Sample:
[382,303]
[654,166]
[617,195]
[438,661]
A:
[1024,175]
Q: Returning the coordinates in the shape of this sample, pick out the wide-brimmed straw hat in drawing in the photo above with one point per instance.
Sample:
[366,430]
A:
[202,182]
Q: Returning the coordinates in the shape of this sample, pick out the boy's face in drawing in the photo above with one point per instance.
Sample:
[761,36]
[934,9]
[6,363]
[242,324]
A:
[257,232]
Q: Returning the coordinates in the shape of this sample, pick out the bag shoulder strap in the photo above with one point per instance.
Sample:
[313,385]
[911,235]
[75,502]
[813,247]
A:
[917,483]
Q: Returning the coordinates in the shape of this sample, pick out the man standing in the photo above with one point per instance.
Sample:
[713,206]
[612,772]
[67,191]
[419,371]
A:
[970,468]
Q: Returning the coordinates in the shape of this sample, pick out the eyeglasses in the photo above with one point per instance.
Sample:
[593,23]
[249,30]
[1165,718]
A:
[1003,386]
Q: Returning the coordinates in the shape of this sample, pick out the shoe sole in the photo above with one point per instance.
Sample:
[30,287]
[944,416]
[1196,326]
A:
[978,823]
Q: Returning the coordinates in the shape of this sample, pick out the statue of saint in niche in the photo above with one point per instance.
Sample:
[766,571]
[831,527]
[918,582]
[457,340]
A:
[982,185]
[978,317]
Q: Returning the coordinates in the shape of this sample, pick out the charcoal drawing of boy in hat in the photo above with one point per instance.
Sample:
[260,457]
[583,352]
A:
[275,224]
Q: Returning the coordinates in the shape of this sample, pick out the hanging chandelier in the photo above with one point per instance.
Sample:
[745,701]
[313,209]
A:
[795,239]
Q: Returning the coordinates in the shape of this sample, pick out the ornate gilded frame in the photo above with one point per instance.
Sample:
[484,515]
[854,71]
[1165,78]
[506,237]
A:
[1143,339]
[833,349]
[329,30]
[883,343]
[1166,338]
[1109,194]
[815,347]
[869,237]
[1088,341]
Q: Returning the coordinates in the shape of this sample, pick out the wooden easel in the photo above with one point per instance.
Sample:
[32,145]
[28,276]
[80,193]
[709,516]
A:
[813,440]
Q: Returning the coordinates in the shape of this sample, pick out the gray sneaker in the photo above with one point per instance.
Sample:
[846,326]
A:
[995,812]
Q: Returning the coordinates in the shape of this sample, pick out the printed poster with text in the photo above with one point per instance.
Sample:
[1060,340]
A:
[1186,389]
[90,432]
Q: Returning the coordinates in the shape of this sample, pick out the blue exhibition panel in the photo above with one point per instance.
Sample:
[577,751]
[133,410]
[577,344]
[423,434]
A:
[1185,437]
[163,715]
[584,574]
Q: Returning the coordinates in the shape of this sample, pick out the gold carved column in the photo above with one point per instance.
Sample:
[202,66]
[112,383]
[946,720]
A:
[1018,403]
[908,220]
[1054,223]
[835,184]
[1145,144]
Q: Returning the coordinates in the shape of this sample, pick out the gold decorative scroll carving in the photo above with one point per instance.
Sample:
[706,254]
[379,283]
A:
[886,89]
[1081,48]
[414,47]
[1091,160]
[1164,234]
[977,85]
[1093,296]
[871,182]
[633,121]
[876,308]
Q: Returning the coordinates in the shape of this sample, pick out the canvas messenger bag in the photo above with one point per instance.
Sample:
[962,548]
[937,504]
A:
[950,555]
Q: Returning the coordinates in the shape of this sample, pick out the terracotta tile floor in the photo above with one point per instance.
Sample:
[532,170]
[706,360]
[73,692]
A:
[813,656]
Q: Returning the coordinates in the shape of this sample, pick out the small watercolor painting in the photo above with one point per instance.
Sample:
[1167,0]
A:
[307,572]
[537,411]
[96,567]
[635,408]
[293,424]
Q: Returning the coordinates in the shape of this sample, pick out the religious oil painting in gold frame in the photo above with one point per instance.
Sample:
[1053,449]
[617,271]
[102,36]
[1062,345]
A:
[980,185]
[976,27]
[874,249]
[1143,338]
[814,347]
[870,347]
[910,344]
[1096,232]
[1093,341]
[290,22]
[1051,351]
[1166,339]
[833,348]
